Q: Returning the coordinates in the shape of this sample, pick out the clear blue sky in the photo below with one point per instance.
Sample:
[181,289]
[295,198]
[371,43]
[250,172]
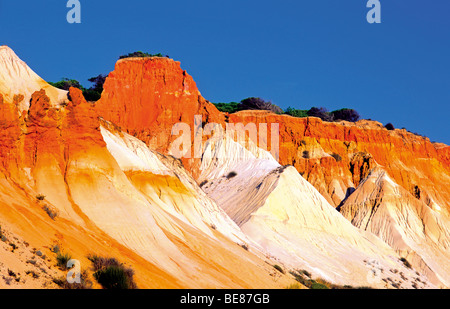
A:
[299,53]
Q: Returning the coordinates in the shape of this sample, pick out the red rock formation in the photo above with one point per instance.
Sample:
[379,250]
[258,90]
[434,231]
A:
[411,160]
[146,97]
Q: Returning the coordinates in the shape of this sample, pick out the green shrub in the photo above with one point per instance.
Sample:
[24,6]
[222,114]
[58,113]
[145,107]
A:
[141,54]
[90,94]
[294,286]
[62,259]
[65,83]
[318,286]
[254,103]
[111,274]
[230,108]
[112,277]
[346,114]
[300,113]
[278,267]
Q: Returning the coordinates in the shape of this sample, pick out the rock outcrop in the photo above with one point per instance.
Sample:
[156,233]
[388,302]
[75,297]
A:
[106,170]
[70,178]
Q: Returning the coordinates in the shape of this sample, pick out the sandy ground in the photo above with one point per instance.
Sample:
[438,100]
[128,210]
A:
[23,266]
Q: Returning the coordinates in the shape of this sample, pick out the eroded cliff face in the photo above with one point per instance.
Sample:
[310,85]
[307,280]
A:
[335,157]
[146,97]
[107,171]
[110,195]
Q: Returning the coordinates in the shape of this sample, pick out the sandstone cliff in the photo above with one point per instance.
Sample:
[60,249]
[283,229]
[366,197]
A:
[106,170]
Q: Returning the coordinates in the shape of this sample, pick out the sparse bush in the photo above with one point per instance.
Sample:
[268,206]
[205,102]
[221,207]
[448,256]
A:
[111,274]
[231,107]
[306,273]
[337,157]
[318,286]
[40,197]
[55,248]
[204,182]
[405,262]
[279,268]
[62,259]
[319,283]
[244,246]
[2,237]
[299,113]
[141,54]
[83,285]
[306,154]
[32,273]
[259,104]
[65,84]
[389,126]
[231,175]
[321,113]
[346,114]
[294,286]
[52,213]
[13,246]
[90,94]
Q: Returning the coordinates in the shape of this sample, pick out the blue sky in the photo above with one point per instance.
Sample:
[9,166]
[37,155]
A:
[300,53]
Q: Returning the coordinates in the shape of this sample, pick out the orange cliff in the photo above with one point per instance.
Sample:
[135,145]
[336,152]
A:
[56,150]
[36,146]
[336,156]
[146,97]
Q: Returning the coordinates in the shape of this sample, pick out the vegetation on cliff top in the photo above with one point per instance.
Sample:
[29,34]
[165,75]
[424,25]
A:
[90,94]
[253,103]
[141,54]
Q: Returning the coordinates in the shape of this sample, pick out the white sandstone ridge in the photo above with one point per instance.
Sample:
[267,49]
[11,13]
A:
[149,204]
[166,184]
[17,78]
[407,224]
[278,209]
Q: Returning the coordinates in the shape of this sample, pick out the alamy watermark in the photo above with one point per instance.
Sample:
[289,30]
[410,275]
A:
[374,14]
[250,135]
[74,14]
[74,274]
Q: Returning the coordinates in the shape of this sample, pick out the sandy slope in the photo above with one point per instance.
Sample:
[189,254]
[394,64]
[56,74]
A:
[291,221]
[410,226]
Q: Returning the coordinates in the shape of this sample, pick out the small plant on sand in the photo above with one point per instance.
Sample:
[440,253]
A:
[405,262]
[231,175]
[279,268]
[111,274]
[62,259]
[84,284]
[52,213]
